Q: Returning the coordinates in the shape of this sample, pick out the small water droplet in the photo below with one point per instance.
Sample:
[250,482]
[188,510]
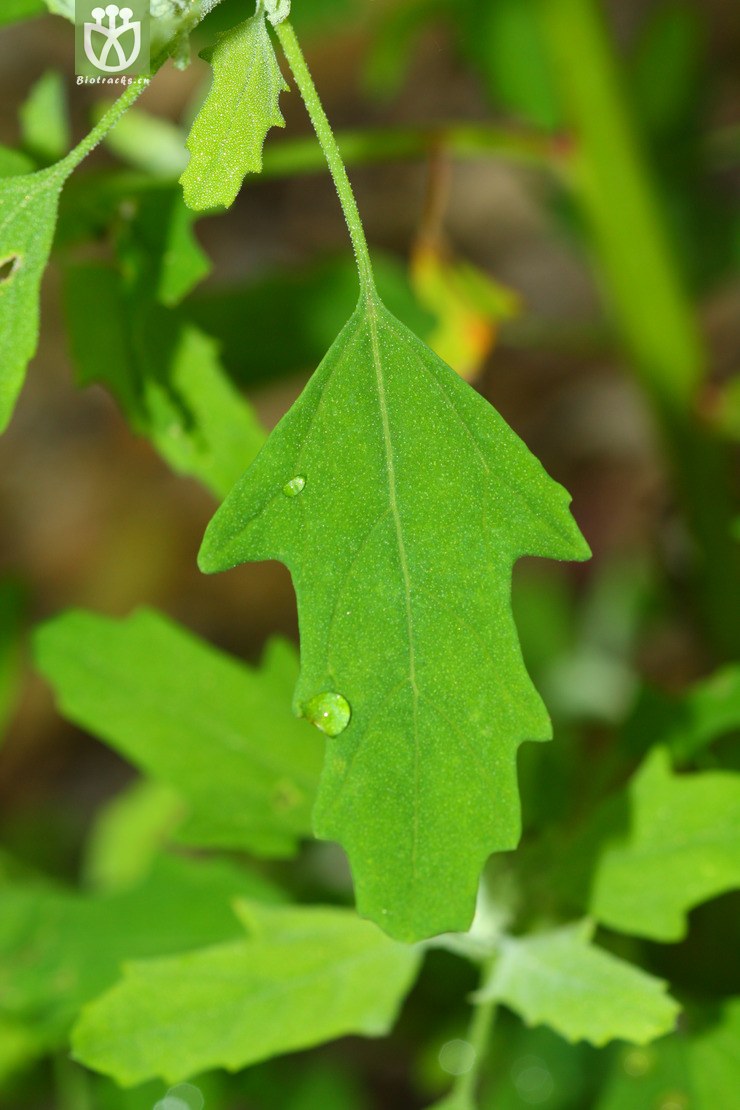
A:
[330,712]
[294,486]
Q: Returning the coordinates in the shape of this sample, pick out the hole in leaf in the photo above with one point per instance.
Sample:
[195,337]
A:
[8,267]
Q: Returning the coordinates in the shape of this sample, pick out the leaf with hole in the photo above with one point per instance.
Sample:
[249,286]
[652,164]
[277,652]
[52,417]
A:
[28,213]
[417,500]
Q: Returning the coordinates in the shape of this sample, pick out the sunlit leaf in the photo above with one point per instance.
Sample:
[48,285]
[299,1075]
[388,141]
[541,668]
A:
[562,979]
[303,977]
[659,848]
[228,134]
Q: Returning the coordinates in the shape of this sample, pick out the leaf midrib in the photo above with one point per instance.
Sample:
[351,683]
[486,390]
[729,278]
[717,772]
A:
[371,306]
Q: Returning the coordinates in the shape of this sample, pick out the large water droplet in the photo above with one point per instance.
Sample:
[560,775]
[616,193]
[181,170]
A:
[328,711]
[294,486]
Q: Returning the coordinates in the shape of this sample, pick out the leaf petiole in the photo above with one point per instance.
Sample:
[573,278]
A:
[325,135]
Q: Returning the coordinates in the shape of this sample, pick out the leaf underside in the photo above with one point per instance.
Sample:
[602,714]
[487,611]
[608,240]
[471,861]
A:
[418,499]
[227,136]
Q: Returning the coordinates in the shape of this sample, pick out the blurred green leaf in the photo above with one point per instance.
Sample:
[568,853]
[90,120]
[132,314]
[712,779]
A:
[220,733]
[316,299]
[505,40]
[421,787]
[28,213]
[12,608]
[664,844]
[44,119]
[582,992]
[59,948]
[150,143]
[697,1068]
[687,725]
[165,375]
[157,247]
[535,1067]
[129,833]
[665,70]
[227,136]
[304,976]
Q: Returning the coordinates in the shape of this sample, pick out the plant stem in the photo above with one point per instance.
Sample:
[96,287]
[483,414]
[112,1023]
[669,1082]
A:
[110,118]
[479,1031]
[325,135]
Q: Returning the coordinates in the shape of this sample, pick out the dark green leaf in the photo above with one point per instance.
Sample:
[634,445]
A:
[316,299]
[165,375]
[12,606]
[58,948]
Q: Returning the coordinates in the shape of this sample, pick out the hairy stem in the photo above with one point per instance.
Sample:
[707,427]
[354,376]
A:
[325,135]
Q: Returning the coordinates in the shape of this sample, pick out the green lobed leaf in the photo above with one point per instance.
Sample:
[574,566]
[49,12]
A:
[665,845]
[417,499]
[220,733]
[304,976]
[165,374]
[44,119]
[561,979]
[227,136]
[28,212]
[59,948]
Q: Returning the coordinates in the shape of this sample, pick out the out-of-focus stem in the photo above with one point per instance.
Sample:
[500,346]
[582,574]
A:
[641,280]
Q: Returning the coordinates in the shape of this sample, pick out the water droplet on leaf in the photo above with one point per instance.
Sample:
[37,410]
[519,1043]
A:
[328,711]
[294,486]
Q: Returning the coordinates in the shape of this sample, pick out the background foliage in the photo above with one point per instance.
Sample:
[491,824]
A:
[551,205]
